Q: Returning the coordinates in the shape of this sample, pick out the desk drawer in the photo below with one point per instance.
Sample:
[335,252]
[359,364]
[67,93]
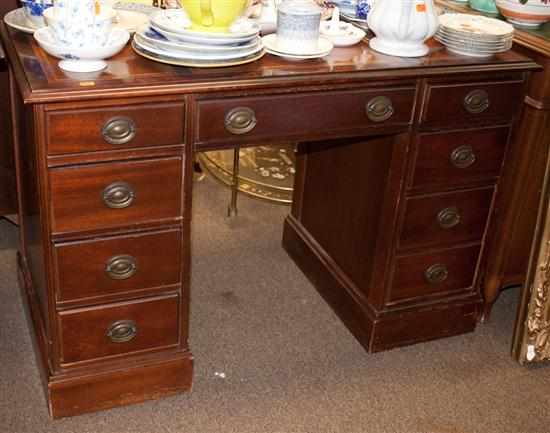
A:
[445,219]
[443,272]
[288,116]
[108,195]
[106,128]
[116,265]
[117,329]
[459,158]
[466,104]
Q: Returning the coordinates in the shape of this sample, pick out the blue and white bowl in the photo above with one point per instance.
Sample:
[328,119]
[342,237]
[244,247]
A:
[34,10]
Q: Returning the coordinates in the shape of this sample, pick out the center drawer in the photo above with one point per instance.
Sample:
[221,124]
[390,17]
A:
[123,328]
[292,116]
[117,265]
[118,194]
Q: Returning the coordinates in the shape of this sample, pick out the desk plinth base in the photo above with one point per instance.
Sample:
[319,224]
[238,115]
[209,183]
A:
[376,331]
[73,393]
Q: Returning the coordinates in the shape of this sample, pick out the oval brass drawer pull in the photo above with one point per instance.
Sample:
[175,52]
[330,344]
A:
[476,101]
[448,217]
[436,274]
[379,109]
[122,331]
[118,195]
[463,157]
[240,120]
[121,267]
[119,130]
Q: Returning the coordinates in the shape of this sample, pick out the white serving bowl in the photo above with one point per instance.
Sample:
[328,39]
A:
[82,59]
[534,13]
[78,34]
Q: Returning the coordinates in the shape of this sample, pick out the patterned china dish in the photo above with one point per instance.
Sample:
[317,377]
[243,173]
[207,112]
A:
[85,59]
[339,33]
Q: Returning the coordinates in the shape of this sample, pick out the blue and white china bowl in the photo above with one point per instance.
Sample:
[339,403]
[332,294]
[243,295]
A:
[82,57]
[93,32]
[34,10]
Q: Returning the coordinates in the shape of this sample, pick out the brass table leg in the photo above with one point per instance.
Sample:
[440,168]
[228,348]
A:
[232,209]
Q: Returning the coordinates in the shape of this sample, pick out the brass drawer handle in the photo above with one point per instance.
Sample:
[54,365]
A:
[122,331]
[476,101]
[121,267]
[119,130]
[436,274]
[463,157]
[240,120]
[448,217]
[118,195]
[380,109]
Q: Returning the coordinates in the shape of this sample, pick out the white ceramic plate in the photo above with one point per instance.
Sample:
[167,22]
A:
[481,41]
[17,19]
[476,24]
[155,39]
[270,44]
[473,44]
[126,20]
[176,21]
[194,55]
[197,38]
[195,62]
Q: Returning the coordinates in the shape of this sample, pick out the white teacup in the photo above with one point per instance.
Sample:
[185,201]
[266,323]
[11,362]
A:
[76,24]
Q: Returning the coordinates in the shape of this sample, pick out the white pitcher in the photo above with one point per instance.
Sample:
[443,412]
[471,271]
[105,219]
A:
[402,26]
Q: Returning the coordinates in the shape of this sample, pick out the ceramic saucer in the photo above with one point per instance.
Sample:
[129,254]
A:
[176,21]
[18,20]
[155,39]
[270,45]
[345,35]
[130,20]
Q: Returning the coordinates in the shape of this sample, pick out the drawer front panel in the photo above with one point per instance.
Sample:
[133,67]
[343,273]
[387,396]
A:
[445,219]
[266,116]
[118,329]
[443,272]
[115,194]
[459,158]
[121,264]
[471,103]
[107,128]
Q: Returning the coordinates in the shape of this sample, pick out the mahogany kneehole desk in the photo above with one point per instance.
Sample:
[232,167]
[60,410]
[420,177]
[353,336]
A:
[393,239]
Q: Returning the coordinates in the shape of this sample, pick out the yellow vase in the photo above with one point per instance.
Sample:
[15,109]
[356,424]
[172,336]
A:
[213,15]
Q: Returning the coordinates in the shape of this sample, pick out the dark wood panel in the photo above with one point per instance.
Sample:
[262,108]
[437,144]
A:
[448,102]
[437,164]
[77,194]
[136,383]
[84,332]
[445,219]
[82,130]
[319,113]
[345,188]
[410,279]
[82,267]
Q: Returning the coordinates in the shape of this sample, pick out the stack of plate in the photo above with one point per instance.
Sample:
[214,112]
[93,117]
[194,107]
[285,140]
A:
[474,35]
[169,39]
